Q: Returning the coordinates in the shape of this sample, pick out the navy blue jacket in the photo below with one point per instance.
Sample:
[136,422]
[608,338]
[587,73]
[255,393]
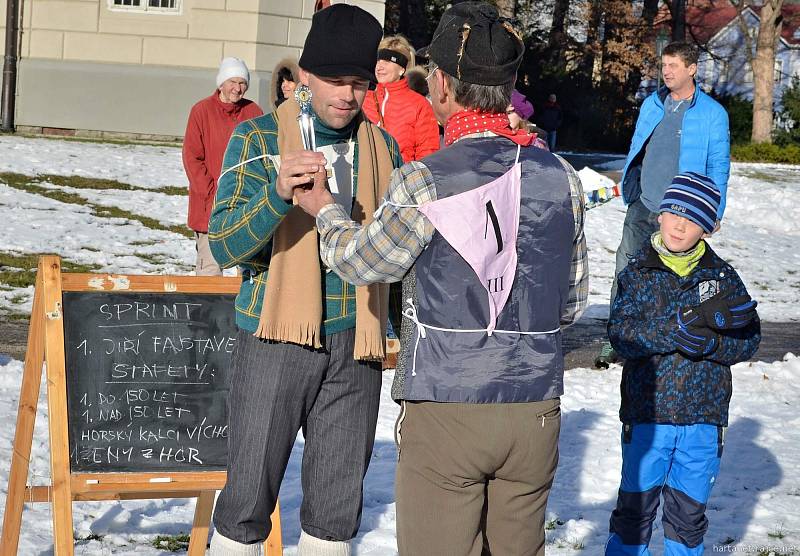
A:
[659,385]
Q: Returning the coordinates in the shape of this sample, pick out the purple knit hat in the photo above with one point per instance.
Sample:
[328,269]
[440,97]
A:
[522,105]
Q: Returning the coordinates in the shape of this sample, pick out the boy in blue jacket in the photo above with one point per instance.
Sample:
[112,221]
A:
[681,318]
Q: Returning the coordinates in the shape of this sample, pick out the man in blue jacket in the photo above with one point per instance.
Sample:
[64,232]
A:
[680,129]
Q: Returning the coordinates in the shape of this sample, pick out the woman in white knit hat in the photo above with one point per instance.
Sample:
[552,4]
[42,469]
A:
[211,124]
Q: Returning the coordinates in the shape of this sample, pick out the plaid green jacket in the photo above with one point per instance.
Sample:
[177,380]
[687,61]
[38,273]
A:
[248,209]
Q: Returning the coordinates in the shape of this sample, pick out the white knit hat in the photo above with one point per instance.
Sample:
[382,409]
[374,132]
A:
[232,67]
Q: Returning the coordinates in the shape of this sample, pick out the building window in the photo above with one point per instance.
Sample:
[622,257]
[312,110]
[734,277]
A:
[778,71]
[154,6]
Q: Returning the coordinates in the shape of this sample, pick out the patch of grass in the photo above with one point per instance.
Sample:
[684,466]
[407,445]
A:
[777,533]
[171,190]
[153,259]
[573,543]
[17,278]
[146,221]
[82,182]
[17,316]
[24,183]
[123,142]
[69,266]
[553,523]
[173,543]
[762,176]
[19,270]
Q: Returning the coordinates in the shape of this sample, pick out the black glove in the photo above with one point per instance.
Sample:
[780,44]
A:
[721,312]
[695,343]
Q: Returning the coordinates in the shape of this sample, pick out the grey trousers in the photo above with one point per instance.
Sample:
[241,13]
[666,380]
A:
[639,225]
[276,389]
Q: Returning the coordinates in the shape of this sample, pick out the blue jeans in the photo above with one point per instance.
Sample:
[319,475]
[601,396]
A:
[677,462]
[639,225]
[551,141]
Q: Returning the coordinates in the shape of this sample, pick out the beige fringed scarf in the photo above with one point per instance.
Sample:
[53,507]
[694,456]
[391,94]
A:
[292,307]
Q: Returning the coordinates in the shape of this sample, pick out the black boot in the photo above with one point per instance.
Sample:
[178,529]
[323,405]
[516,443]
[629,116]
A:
[606,357]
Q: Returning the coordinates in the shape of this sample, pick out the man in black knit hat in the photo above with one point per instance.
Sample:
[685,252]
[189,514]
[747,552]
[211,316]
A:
[487,236]
[309,348]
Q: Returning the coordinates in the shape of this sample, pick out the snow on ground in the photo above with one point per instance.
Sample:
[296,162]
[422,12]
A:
[143,166]
[755,505]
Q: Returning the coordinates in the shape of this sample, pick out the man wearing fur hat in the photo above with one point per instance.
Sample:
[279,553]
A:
[487,235]
[211,122]
[310,345]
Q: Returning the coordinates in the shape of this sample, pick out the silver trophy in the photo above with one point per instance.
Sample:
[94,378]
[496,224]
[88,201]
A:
[302,94]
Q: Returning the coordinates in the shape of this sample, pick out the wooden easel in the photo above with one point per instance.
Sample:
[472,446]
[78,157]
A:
[46,345]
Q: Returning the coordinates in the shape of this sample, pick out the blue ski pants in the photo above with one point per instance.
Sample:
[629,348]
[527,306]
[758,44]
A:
[677,462]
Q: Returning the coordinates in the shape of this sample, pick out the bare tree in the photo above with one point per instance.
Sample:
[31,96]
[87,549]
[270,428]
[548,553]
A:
[769,31]
[558,29]
[762,62]
[677,9]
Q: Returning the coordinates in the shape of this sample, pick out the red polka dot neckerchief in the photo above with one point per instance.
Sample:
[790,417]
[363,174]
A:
[467,122]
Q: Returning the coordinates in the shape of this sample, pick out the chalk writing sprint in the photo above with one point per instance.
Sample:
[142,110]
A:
[147,380]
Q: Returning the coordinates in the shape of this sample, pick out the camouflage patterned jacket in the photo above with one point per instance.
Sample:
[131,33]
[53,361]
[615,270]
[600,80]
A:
[660,385]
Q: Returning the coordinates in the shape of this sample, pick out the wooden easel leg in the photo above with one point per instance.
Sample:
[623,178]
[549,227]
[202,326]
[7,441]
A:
[26,420]
[202,519]
[273,546]
[63,536]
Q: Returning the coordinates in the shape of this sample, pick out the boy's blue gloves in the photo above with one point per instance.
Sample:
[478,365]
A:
[694,342]
[721,312]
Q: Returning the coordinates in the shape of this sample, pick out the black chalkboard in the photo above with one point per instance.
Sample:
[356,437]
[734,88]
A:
[147,380]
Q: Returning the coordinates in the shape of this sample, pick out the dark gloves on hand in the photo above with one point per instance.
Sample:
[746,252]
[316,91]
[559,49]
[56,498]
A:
[721,312]
[694,342]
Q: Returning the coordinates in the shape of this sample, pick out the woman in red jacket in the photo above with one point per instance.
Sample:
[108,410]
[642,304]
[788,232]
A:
[210,125]
[406,115]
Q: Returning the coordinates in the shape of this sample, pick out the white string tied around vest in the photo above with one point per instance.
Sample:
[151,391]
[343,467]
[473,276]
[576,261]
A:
[411,314]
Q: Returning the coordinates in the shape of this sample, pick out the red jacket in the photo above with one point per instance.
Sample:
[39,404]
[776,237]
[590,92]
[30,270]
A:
[406,115]
[211,124]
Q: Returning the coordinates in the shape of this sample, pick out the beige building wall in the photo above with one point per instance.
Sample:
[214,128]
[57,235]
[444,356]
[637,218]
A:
[89,66]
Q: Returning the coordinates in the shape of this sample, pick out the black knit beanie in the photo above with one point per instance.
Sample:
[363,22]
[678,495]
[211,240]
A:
[474,44]
[343,40]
